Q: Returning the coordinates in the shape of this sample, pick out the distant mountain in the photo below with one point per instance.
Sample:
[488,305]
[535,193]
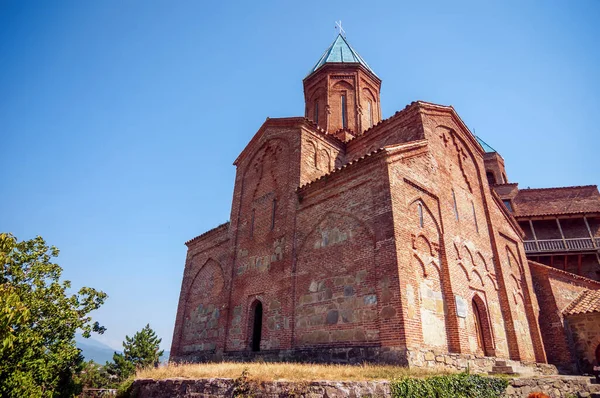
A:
[94,350]
[101,353]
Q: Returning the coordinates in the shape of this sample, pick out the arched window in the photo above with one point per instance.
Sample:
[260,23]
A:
[505,179]
[490,177]
[455,205]
[273,214]
[508,257]
[344,112]
[256,325]
[420,212]
[252,223]
[475,217]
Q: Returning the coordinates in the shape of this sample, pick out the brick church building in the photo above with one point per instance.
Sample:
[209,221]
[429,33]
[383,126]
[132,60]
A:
[354,238]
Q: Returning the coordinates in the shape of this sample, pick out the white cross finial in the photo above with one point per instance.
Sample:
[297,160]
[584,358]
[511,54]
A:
[338,25]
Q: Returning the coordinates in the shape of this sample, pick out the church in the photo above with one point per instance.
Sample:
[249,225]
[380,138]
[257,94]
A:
[355,238]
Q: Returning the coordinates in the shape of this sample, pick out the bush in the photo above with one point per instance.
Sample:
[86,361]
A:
[461,385]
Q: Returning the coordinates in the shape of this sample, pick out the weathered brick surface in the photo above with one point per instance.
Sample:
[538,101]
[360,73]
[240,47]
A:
[380,245]
[555,290]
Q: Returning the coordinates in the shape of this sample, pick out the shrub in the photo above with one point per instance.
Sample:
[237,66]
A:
[461,385]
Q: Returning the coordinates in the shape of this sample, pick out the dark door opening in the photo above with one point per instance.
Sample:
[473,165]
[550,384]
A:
[478,327]
[598,355]
[257,327]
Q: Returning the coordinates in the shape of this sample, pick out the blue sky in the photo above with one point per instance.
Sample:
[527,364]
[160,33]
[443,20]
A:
[120,120]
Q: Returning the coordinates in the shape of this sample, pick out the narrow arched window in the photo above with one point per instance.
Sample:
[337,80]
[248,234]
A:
[273,214]
[252,223]
[508,257]
[455,205]
[420,212]
[370,112]
[475,217]
[317,112]
[344,112]
[490,177]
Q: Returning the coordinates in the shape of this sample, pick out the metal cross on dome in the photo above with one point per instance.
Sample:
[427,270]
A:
[338,25]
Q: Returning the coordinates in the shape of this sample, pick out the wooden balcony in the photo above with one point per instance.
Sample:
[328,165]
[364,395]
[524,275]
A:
[562,245]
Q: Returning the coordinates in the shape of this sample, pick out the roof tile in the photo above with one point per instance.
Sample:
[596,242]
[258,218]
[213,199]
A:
[587,302]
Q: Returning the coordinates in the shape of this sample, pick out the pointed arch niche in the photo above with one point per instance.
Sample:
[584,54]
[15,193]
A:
[426,265]
[483,330]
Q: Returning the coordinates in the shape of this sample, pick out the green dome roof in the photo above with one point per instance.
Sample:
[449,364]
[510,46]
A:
[485,146]
[340,52]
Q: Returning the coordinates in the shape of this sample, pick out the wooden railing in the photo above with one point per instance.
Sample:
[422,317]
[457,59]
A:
[561,245]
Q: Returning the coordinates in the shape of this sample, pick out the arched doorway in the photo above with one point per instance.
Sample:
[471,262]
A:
[482,327]
[256,324]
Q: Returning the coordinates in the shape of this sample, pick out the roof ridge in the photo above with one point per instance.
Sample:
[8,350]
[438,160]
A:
[385,121]
[208,232]
[560,271]
[549,188]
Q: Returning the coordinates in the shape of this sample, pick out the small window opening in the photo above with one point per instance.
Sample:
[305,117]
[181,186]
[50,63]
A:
[508,205]
[490,177]
[273,214]
[344,112]
[317,112]
[420,211]
[257,327]
[252,223]
[505,179]
[455,205]
[508,257]
[370,113]
[475,217]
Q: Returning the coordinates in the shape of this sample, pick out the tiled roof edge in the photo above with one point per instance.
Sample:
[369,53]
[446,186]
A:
[562,272]
[209,232]
[551,188]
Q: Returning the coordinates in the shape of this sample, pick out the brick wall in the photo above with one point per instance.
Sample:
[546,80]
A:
[389,255]
[555,290]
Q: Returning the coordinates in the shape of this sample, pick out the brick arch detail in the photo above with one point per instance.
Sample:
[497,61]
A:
[260,152]
[209,260]
[426,208]
[363,225]
[488,335]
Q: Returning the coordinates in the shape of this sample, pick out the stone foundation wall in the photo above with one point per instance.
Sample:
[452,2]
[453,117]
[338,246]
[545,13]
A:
[473,363]
[554,386]
[429,359]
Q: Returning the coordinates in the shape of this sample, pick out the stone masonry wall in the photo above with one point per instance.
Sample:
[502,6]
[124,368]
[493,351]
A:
[585,329]
[555,387]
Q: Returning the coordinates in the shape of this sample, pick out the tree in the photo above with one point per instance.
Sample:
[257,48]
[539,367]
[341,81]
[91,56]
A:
[140,351]
[38,321]
[94,375]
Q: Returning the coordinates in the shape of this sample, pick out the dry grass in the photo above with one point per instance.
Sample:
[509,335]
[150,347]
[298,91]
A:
[268,371]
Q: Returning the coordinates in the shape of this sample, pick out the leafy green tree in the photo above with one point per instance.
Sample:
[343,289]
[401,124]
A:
[93,375]
[140,351]
[38,321]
